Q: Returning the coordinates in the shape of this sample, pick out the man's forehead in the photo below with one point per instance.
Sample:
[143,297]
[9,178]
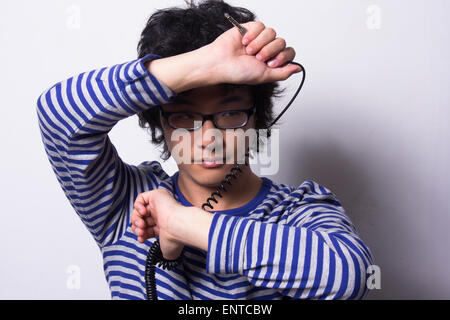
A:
[220,93]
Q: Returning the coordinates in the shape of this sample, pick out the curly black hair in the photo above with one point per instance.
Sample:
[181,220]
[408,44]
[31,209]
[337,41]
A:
[174,31]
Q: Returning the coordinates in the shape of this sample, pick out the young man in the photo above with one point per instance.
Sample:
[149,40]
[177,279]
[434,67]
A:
[263,240]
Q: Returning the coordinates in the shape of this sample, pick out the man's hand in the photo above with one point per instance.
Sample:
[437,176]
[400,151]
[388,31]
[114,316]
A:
[258,57]
[153,214]
[157,213]
[229,59]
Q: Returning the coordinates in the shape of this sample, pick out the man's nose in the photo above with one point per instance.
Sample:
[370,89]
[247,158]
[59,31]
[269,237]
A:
[208,124]
[209,138]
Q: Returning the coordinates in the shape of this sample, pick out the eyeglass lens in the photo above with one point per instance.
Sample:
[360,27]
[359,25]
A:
[229,119]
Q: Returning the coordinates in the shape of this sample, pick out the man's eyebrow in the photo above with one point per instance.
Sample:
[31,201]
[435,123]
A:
[234,98]
[229,99]
[180,100]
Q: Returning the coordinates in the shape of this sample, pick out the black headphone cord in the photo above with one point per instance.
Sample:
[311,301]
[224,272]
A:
[295,94]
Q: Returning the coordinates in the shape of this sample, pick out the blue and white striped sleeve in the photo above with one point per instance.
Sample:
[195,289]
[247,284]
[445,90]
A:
[312,252]
[75,117]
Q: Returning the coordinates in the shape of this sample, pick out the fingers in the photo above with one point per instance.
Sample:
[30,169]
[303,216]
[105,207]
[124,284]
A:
[281,73]
[263,43]
[144,218]
[253,30]
[142,203]
[281,58]
[145,233]
[273,49]
[265,37]
[141,222]
[143,226]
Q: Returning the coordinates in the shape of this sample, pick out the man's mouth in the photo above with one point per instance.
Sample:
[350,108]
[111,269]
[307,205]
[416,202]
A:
[212,163]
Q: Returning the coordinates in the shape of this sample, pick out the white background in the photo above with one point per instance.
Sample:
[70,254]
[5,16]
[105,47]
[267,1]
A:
[371,124]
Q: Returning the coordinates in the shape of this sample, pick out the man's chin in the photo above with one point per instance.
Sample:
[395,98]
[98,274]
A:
[211,176]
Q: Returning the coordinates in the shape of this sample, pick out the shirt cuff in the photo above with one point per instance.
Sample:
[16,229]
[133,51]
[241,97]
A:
[227,240]
[141,88]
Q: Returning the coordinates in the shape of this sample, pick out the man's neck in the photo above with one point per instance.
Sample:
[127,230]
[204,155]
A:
[241,192]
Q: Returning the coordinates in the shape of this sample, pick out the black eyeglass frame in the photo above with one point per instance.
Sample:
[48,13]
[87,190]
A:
[167,114]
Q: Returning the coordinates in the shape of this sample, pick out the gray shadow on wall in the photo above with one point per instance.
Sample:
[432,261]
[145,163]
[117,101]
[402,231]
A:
[378,224]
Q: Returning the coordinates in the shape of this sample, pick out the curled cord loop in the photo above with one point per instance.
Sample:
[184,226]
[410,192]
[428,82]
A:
[155,259]
[221,187]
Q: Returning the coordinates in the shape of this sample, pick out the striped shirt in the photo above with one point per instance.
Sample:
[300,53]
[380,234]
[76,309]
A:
[286,243]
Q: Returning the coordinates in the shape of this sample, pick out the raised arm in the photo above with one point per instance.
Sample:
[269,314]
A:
[75,116]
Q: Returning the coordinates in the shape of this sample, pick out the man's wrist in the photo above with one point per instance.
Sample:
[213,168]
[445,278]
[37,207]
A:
[191,227]
[185,71]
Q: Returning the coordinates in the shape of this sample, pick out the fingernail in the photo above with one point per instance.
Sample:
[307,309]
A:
[272,63]
[245,41]
[259,57]
[249,50]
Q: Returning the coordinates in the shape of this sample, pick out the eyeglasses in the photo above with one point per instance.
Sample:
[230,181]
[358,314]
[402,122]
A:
[230,119]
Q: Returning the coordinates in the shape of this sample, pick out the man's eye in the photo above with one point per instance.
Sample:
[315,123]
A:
[232,114]
[183,116]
